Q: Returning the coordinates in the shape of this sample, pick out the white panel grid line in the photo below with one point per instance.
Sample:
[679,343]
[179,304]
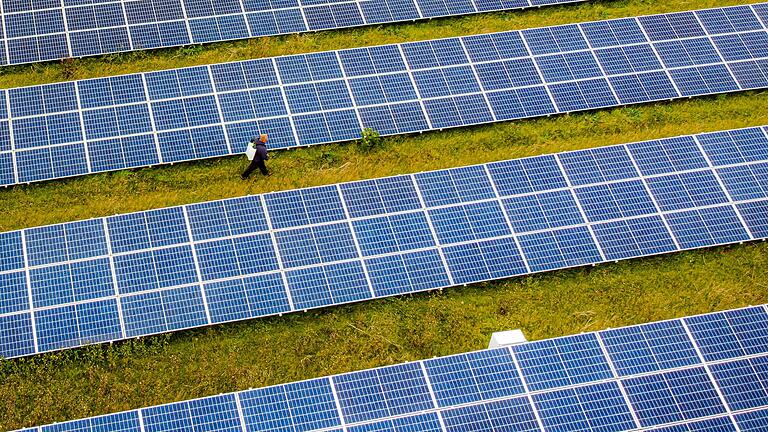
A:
[186,21]
[240,415]
[711,377]
[723,188]
[118,299]
[581,209]
[320,224]
[303,15]
[435,238]
[357,242]
[30,297]
[66,30]
[600,65]
[752,8]
[151,118]
[653,199]
[415,87]
[245,19]
[285,101]
[351,95]
[198,273]
[416,4]
[432,395]
[719,53]
[658,57]
[140,415]
[127,27]
[280,264]
[82,127]
[527,390]
[477,78]
[6,48]
[541,75]
[218,107]
[14,154]
[360,11]
[290,408]
[506,218]
[619,382]
[474,6]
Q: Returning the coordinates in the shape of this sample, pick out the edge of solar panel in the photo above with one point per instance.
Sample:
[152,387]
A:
[68,34]
[283,270]
[438,408]
[296,144]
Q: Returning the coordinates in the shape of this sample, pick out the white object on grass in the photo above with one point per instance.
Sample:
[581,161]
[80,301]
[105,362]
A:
[250,151]
[507,338]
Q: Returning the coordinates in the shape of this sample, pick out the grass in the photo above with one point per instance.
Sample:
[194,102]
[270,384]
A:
[98,380]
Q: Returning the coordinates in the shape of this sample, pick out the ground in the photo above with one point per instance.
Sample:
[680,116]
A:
[98,380]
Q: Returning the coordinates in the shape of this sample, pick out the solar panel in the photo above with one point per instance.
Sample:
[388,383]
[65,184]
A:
[658,376]
[168,269]
[75,128]
[56,29]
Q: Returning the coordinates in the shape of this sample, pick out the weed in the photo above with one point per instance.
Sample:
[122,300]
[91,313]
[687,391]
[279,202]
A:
[369,140]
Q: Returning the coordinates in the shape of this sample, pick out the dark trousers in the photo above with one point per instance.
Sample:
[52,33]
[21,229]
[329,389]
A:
[253,165]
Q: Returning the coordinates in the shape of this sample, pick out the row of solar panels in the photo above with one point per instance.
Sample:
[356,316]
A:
[701,373]
[76,128]
[168,269]
[42,30]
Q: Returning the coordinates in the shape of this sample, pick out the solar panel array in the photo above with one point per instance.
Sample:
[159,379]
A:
[168,269]
[42,30]
[97,125]
[701,373]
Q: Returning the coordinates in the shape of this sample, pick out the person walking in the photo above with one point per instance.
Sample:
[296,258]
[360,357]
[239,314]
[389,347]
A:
[260,144]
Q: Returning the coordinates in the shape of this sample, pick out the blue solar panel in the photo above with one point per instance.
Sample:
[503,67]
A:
[473,377]
[205,263]
[562,362]
[752,421]
[599,407]
[42,31]
[644,377]
[379,393]
[673,396]
[210,111]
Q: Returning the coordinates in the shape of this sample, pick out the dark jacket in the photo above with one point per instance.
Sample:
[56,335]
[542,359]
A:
[261,152]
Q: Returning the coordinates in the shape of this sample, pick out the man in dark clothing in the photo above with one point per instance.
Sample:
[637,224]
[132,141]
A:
[260,144]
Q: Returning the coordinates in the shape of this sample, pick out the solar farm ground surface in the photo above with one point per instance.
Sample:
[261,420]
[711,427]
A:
[98,380]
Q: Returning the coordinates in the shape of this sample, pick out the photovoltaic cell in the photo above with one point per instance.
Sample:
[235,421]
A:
[661,383]
[181,267]
[209,111]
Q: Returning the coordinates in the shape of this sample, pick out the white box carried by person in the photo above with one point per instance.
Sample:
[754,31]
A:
[250,151]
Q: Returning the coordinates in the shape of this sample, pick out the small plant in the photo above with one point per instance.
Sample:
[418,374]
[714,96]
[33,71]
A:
[68,69]
[369,140]
[329,158]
